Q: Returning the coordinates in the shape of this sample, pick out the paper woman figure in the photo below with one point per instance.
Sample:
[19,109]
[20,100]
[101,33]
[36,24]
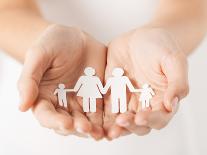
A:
[146,94]
[89,87]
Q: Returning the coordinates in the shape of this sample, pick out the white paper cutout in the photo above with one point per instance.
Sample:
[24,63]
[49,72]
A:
[90,88]
[118,84]
[61,93]
[146,95]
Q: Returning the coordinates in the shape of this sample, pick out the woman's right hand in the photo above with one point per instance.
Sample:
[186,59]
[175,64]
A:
[60,56]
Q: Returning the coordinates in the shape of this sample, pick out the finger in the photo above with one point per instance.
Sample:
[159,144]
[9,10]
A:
[96,120]
[31,75]
[48,117]
[111,129]
[114,132]
[155,119]
[174,66]
[81,123]
[64,133]
[127,120]
[97,132]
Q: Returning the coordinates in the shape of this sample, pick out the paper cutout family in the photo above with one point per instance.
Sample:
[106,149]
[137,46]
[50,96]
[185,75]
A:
[90,88]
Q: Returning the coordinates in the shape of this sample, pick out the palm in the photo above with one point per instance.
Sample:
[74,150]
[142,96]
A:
[141,54]
[65,52]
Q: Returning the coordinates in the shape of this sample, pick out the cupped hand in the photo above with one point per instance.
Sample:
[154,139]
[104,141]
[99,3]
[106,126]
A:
[152,56]
[60,56]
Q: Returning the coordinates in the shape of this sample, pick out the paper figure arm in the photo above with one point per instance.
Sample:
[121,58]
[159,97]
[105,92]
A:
[78,85]
[107,86]
[137,91]
[100,86]
[130,86]
[55,92]
[69,90]
[152,92]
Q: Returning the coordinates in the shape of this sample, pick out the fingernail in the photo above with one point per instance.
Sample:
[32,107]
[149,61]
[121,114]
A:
[123,123]
[62,129]
[89,135]
[21,107]
[21,101]
[80,130]
[114,136]
[174,102]
[141,122]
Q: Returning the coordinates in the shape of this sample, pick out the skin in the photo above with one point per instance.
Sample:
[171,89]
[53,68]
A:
[51,54]
[147,61]
[155,53]
[60,55]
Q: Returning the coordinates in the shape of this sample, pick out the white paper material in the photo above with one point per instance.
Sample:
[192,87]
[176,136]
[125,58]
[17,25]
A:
[90,88]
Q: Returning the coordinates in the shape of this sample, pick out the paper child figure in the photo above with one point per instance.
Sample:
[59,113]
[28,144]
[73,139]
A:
[89,88]
[61,93]
[118,84]
[146,94]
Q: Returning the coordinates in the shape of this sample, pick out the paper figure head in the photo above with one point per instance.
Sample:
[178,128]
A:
[61,86]
[89,71]
[117,72]
[145,86]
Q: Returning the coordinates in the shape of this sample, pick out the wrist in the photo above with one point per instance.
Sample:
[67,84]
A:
[165,37]
[37,30]
[19,29]
[187,34]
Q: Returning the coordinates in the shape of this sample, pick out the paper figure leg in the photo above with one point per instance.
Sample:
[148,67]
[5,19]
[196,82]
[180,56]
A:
[123,105]
[147,103]
[115,105]
[65,104]
[60,101]
[92,105]
[86,104]
[143,104]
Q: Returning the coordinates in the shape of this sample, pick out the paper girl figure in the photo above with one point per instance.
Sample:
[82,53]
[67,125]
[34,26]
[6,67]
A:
[146,94]
[118,84]
[61,93]
[89,88]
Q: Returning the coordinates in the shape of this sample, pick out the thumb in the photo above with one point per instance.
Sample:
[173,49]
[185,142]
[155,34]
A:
[33,70]
[175,68]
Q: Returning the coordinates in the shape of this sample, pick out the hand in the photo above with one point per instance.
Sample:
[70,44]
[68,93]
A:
[152,56]
[60,56]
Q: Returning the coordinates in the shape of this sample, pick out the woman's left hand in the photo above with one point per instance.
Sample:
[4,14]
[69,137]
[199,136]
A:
[152,56]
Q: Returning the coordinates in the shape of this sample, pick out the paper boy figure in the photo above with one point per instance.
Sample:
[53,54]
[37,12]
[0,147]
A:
[118,84]
[61,93]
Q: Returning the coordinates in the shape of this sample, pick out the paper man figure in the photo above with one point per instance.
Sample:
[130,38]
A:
[89,88]
[118,84]
[61,93]
[146,94]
